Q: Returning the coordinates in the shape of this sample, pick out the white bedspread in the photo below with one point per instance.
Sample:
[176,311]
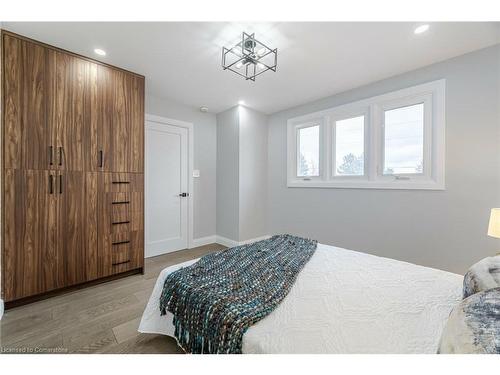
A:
[345,302]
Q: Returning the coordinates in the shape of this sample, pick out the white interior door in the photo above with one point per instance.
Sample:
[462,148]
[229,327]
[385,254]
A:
[166,184]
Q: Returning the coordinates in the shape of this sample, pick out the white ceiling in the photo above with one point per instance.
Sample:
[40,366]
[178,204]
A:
[182,61]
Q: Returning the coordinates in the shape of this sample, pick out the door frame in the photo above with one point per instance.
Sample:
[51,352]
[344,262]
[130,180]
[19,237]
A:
[190,130]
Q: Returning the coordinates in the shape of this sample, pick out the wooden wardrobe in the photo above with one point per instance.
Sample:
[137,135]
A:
[73,170]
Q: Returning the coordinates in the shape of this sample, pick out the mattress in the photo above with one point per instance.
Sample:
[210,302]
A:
[345,301]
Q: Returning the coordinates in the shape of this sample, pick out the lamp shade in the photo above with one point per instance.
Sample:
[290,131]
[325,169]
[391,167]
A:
[494,227]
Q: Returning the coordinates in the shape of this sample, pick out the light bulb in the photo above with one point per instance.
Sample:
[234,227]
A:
[239,65]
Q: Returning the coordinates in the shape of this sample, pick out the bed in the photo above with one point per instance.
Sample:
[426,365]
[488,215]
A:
[345,301]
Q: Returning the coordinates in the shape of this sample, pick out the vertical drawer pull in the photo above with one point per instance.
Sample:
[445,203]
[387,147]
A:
[51,152]
[51,184]
[60,155]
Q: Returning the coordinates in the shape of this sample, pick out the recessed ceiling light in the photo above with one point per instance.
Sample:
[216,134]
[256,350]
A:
[100,52]
[421,29]
[241,102]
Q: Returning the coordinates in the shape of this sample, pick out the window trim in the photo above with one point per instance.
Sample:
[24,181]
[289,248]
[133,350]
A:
[432,94]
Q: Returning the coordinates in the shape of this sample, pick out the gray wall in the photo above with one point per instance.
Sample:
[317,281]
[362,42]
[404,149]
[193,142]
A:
[253,174]
[228,174]
[204,196]
[441,229]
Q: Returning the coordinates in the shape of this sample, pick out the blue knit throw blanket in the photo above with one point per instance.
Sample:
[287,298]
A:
[215,300]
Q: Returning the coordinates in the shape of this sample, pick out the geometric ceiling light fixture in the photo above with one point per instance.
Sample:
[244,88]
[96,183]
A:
[249,58]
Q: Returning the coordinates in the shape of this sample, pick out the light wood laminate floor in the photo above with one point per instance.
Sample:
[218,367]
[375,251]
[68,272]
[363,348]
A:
[99,319]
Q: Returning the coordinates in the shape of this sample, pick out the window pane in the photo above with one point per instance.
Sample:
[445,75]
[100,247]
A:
[404,140]
[308,157]
[350,147]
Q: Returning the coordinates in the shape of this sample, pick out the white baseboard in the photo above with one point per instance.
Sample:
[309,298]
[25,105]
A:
[226,241]
[231,243]
[254,239]
[204,241]
[1,308]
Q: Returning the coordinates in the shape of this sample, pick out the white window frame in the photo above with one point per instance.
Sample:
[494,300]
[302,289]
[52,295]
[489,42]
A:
[348,113]
[292,165]
[432,94]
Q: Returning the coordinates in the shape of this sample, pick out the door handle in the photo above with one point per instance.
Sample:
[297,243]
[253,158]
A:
[60,184]
[184,195]
[51,152]
[51,184]
[101,159]
[60,155]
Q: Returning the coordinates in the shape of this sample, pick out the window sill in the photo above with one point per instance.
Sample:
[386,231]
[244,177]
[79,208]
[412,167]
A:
[385,185]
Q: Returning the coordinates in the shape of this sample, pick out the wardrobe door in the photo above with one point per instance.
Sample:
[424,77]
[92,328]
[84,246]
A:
[77,225]
[32,262]
[120,121]
[28,142]
[71,110]
[137,124]
[102,114]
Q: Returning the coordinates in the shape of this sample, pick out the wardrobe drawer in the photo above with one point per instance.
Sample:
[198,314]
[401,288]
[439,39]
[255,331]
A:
[126,210]
[123,182]
[120,255]
[125,252]
[121,252]
[121,226]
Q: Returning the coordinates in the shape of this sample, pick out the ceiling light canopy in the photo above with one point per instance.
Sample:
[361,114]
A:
[421,29]
[249,58]
[100,52]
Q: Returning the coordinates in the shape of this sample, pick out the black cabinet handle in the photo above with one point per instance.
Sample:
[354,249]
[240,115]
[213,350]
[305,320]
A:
[60,184]
[51,152]
[121,202]
[101,159]
[120,182]
[120,242]
[120,222]
[184,195]
[60,155]
[118,263]
[51,184]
